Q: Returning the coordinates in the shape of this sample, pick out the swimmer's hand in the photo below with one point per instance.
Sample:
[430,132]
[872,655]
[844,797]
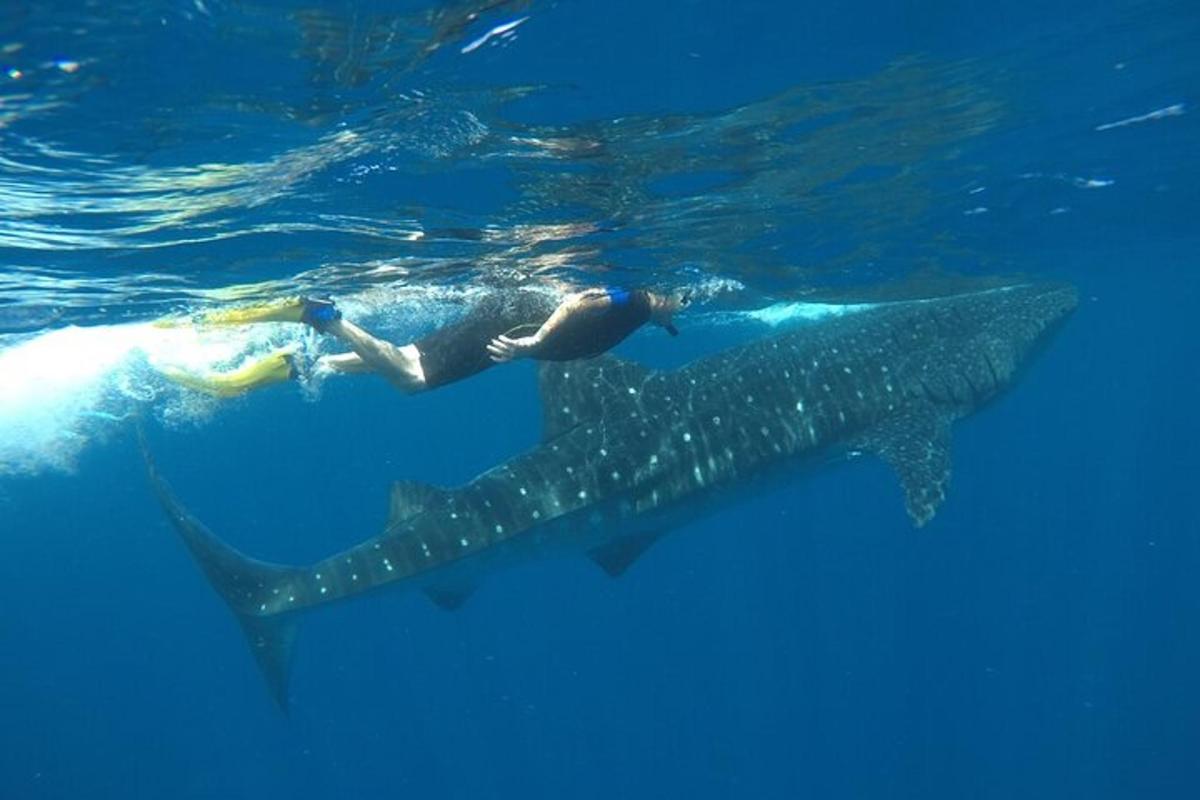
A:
[504,348]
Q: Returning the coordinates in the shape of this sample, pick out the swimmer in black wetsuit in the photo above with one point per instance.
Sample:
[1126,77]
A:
[503,327]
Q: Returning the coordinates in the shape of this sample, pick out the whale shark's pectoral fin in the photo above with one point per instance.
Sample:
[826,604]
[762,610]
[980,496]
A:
[917,445]
[617,556]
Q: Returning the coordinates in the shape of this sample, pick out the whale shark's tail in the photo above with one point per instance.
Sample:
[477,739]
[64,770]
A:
[237,578]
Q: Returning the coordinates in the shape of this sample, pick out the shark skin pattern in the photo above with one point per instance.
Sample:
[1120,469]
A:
[628,453]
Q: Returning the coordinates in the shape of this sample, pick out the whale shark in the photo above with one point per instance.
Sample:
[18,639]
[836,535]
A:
[629,453]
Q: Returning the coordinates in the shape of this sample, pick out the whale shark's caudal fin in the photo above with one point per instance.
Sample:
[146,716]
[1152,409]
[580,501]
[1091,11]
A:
[238,579]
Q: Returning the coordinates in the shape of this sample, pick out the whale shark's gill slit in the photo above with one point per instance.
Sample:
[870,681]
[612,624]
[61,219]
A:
[928,391]
[987,359]
[976,393]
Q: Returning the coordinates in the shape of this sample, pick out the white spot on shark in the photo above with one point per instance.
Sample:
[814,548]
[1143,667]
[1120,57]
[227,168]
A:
[687,437]
[463,542]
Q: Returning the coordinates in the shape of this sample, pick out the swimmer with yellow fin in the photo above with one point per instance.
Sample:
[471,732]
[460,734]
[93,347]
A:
[504,326]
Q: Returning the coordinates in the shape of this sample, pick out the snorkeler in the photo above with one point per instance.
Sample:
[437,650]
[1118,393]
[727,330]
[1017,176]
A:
[504,326]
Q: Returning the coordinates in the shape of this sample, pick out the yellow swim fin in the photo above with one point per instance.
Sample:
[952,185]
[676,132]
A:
[288,309]
[274,368]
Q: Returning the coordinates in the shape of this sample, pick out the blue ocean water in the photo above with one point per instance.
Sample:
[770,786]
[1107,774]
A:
[165,158]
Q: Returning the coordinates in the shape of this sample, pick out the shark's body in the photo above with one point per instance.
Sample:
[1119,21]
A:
[628,453]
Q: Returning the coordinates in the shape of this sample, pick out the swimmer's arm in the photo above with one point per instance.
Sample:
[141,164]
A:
[589,301]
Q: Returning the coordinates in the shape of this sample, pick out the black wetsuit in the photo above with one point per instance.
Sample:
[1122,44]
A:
[586,336]
[459,350]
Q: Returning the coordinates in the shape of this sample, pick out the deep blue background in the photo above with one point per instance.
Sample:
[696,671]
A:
[1038,639]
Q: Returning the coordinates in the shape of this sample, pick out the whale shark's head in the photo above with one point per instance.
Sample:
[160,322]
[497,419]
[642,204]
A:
[1029,315]
[1013,324]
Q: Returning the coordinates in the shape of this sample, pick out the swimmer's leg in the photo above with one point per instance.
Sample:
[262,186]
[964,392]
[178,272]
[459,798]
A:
[400,364]
[276,367]
[343,363]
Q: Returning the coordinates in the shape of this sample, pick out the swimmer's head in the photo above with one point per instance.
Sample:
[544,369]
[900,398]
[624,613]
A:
[664,306]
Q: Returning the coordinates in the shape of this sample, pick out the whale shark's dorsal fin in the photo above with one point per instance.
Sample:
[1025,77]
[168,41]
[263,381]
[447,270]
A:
[410,498]
[574,392]
[916,444]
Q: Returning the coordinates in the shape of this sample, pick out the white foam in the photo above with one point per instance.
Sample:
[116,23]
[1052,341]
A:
[67,387]
[786,313]
[52,390]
